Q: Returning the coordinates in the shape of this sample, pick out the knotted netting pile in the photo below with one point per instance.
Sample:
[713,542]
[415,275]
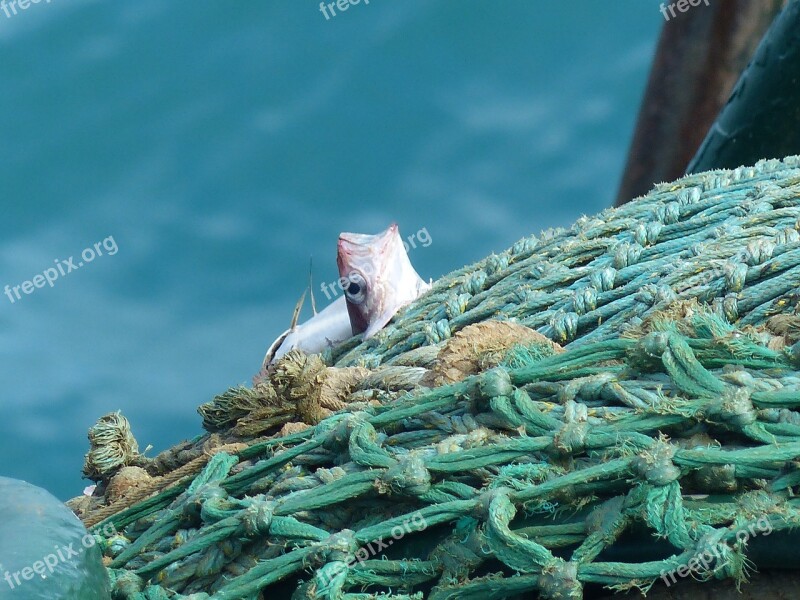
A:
[605,406]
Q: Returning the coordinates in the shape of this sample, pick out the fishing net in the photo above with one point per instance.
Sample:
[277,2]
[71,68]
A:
[595,410]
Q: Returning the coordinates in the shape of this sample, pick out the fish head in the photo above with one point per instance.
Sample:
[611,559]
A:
[377,278]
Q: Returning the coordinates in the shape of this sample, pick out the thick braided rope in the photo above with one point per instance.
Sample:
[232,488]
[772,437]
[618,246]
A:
[726,236]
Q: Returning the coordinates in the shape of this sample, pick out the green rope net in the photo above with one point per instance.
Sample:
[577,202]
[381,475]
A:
[661,443]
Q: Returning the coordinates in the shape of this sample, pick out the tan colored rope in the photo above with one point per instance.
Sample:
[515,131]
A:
[160,484]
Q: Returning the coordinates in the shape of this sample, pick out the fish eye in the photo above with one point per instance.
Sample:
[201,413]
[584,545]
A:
[356,290]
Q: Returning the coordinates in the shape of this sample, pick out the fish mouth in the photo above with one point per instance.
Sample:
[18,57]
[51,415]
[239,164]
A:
[359,247]
[363,262]
[375,272]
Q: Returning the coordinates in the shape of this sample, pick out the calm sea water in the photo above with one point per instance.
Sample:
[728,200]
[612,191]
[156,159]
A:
[218,146]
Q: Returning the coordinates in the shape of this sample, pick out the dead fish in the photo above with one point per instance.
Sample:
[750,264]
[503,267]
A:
[378,279]
[326,329]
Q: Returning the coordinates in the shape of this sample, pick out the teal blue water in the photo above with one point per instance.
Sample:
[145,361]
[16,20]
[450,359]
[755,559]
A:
[210,148]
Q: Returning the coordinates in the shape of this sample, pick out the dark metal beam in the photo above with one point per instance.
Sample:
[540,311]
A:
[700,55]
[762,117]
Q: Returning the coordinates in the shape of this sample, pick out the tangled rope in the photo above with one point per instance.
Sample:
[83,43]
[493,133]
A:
[428,463]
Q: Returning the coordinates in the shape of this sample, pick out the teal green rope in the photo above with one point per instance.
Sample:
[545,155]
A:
[646,402]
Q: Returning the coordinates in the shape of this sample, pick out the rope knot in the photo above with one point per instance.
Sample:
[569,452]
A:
[763,191]
[726,230]
[297,379]
[524,246]
[456,304]
[339,547]
[474,283]
[409,477]
[759,251]
[207,492]
[735,275]
[655,464]
[709,547]
[587,388]
[116,545]
[565,326]
[646,234]
[493,383]
[736,409]
[669,213]
[487,498]
[742,173]
[436,332]
[585,300]
[559,581]
[626,254]
[727,307]
[257,518]
[688,196]
[495,263]
[336,434]
[217,508]
[648,351]
[603,279]
[652,295]
[571,438]
[335,555]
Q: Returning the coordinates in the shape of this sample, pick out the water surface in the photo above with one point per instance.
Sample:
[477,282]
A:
[221,145]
